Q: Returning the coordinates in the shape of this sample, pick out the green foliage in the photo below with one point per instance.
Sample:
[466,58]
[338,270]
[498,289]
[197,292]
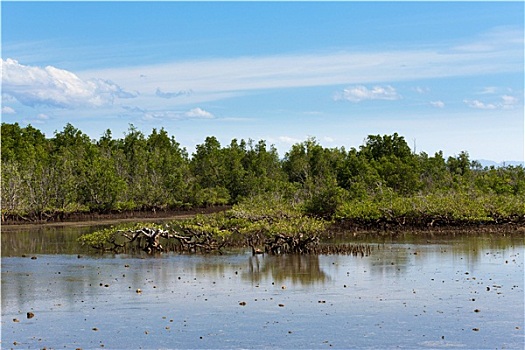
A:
[325,200]
[107,238]
[271,214]
[444,207]
[381,179]
[217,225]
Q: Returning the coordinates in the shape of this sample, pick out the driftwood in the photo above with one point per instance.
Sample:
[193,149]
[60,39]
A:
[150,236]
[193,240]
[149,241]
[297,244]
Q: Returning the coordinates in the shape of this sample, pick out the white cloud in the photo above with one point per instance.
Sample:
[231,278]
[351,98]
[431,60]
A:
[42,116]
[489,90]
[8,110]
[288,140]
[479,105]
[33,86]
[359,93]
[437,104]
[509,101]
[211,77]
[421,90]
[198,113]
[163,94]
[195,113]
[506,102]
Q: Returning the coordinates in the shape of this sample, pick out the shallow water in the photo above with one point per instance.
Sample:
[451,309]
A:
[456,292]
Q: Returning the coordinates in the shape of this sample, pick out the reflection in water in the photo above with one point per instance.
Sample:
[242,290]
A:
[44,240]
[411,292]
[299,269]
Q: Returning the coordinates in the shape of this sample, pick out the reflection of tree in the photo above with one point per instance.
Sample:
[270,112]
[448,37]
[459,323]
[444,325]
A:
[50,240]
[303,269]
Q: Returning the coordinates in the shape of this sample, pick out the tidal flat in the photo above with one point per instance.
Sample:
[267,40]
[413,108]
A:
[411,292]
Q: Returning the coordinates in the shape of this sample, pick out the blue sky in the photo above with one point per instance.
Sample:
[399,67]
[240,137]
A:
[447,75]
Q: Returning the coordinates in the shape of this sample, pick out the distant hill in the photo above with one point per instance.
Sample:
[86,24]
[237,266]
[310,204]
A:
[488,163]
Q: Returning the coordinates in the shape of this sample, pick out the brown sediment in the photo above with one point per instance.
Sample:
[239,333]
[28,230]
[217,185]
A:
[393,227]
[95,218]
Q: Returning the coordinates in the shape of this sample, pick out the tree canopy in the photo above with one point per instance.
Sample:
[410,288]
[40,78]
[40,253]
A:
[69,172]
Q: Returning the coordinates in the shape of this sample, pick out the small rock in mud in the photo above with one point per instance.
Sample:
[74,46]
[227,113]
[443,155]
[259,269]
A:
[138,291]
[477,310]
[242,303]
[281,305]
[475,329]
[30,315]
[16,320]
[95,329]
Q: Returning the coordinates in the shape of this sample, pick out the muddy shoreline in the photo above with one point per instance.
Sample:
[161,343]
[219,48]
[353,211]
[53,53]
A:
[341,227]
[90,219]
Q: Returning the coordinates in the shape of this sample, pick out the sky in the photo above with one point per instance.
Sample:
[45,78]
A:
[446,76]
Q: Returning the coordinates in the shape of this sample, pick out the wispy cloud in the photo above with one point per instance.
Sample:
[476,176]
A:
[479,105]
[8,110]
[41,118]
[195,113]
[288,140]
[51,86]
[489,90]
[421,90]
[240,74]
[359,93]
[437,104]
[505,102]
[163,94]
[157,86]
[508,101]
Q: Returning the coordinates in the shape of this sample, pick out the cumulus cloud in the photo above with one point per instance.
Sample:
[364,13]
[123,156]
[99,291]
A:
[437,104]
[195,113]
[163,94]
[7,110]
[51,86]
[360,93]
[198,113]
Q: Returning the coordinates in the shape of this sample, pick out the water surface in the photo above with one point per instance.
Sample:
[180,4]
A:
[412,292]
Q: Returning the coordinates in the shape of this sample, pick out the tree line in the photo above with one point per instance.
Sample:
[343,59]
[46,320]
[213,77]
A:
[70,173]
